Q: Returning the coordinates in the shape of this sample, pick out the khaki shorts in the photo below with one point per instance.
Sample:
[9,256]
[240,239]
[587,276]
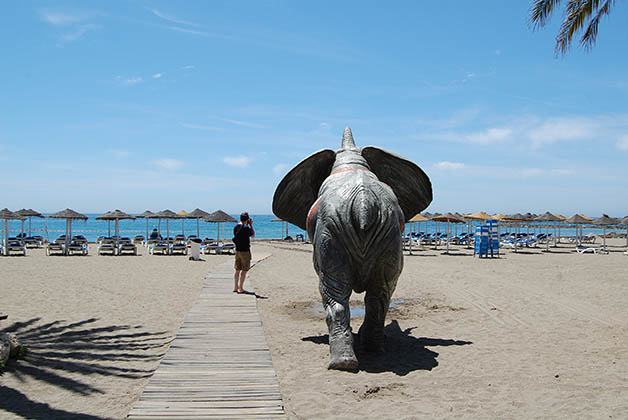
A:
[243,260]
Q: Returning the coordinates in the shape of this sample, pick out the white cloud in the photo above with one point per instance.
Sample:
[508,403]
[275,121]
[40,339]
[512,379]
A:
[172,19]
[237,161]
[562,129]
[201,127]
[169,163]
[532,172]
[622,143]
[242,123]
[82,30]
[562,172]
[188,67]
[450,166]
[324,125]
[158,75]
[120,153]
[488,136]
[129,81]
[61,19]
[281,168]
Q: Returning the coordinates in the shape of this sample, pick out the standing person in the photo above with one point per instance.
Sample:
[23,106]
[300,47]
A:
[242,234]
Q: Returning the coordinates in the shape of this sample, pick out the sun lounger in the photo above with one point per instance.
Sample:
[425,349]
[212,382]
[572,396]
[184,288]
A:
[15,246]
[588,239]
[106,246]
[151,241]
[179,246]
[138,239]
[589,249]
[77,248]
[55,247]
[79,239]
[213,246]
[32,241]
[227,248]
[162,248]
[126,246]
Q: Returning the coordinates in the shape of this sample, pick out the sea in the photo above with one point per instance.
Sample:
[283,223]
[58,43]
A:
[265,228]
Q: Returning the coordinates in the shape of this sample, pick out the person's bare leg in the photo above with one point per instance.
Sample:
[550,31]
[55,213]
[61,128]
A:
[242,277]
[236,277]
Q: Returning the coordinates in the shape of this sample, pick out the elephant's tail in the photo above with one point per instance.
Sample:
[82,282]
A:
[364,214]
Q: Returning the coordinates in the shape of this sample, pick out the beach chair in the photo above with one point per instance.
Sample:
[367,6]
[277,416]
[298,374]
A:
[15,246]
[79,239]
[106,246]
[151,241]
[161,247]
[55,247]
[589,238]
[179,246]
[582,249]
[228,248]
[126,246]
[138,239]
[213,246]
[79,248]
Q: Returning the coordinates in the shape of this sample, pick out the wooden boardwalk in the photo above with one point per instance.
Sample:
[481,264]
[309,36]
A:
[218,365]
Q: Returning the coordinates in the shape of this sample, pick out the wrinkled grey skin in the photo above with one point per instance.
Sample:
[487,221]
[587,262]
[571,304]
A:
[355,225]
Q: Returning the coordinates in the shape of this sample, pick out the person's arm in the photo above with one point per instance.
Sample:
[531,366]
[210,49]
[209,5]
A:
[252,231]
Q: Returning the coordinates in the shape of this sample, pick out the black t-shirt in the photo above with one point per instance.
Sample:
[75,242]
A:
[242,237]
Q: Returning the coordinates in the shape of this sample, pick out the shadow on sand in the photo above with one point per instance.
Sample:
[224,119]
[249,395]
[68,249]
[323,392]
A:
[404,353]
[60,354]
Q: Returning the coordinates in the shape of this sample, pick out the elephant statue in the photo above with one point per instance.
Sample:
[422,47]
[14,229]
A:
[354,204]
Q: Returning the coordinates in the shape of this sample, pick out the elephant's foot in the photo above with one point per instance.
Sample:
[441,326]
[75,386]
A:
[342,356]
[371,340]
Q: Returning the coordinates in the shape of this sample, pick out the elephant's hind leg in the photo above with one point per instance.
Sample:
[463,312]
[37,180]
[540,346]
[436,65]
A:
[376,304]
[335,296]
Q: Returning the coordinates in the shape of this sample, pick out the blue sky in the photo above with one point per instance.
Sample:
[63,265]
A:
[158,104]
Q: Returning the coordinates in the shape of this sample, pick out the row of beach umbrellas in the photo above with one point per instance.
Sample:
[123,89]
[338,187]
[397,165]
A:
[69,215]
[578,219]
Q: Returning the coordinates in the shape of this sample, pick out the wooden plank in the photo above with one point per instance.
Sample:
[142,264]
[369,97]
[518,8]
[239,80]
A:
[218,365]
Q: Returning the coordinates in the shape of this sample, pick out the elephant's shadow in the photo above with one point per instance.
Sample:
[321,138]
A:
[404,353]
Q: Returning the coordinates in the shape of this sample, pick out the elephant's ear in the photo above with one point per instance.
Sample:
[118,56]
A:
[409,183]
[298,190]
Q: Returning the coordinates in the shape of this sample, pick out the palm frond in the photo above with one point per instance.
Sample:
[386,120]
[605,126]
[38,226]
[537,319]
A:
[590,35]
[541,11]
[577,11]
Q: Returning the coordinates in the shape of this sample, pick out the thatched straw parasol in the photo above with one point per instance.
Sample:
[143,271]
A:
[183,215]
[28,213]
[116,215]
[146,215]
[578,220]
[480,215]
[69,215]
[418,218]
[605,221]
[624,222]
[7,215]
[167,214]
[277,219]
[448,218]
[197,214]
[548,217]
[219,217]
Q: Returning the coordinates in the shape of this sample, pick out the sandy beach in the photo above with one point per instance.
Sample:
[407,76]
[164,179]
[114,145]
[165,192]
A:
[528,335]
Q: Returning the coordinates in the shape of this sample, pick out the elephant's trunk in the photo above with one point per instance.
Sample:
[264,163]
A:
[347,140]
